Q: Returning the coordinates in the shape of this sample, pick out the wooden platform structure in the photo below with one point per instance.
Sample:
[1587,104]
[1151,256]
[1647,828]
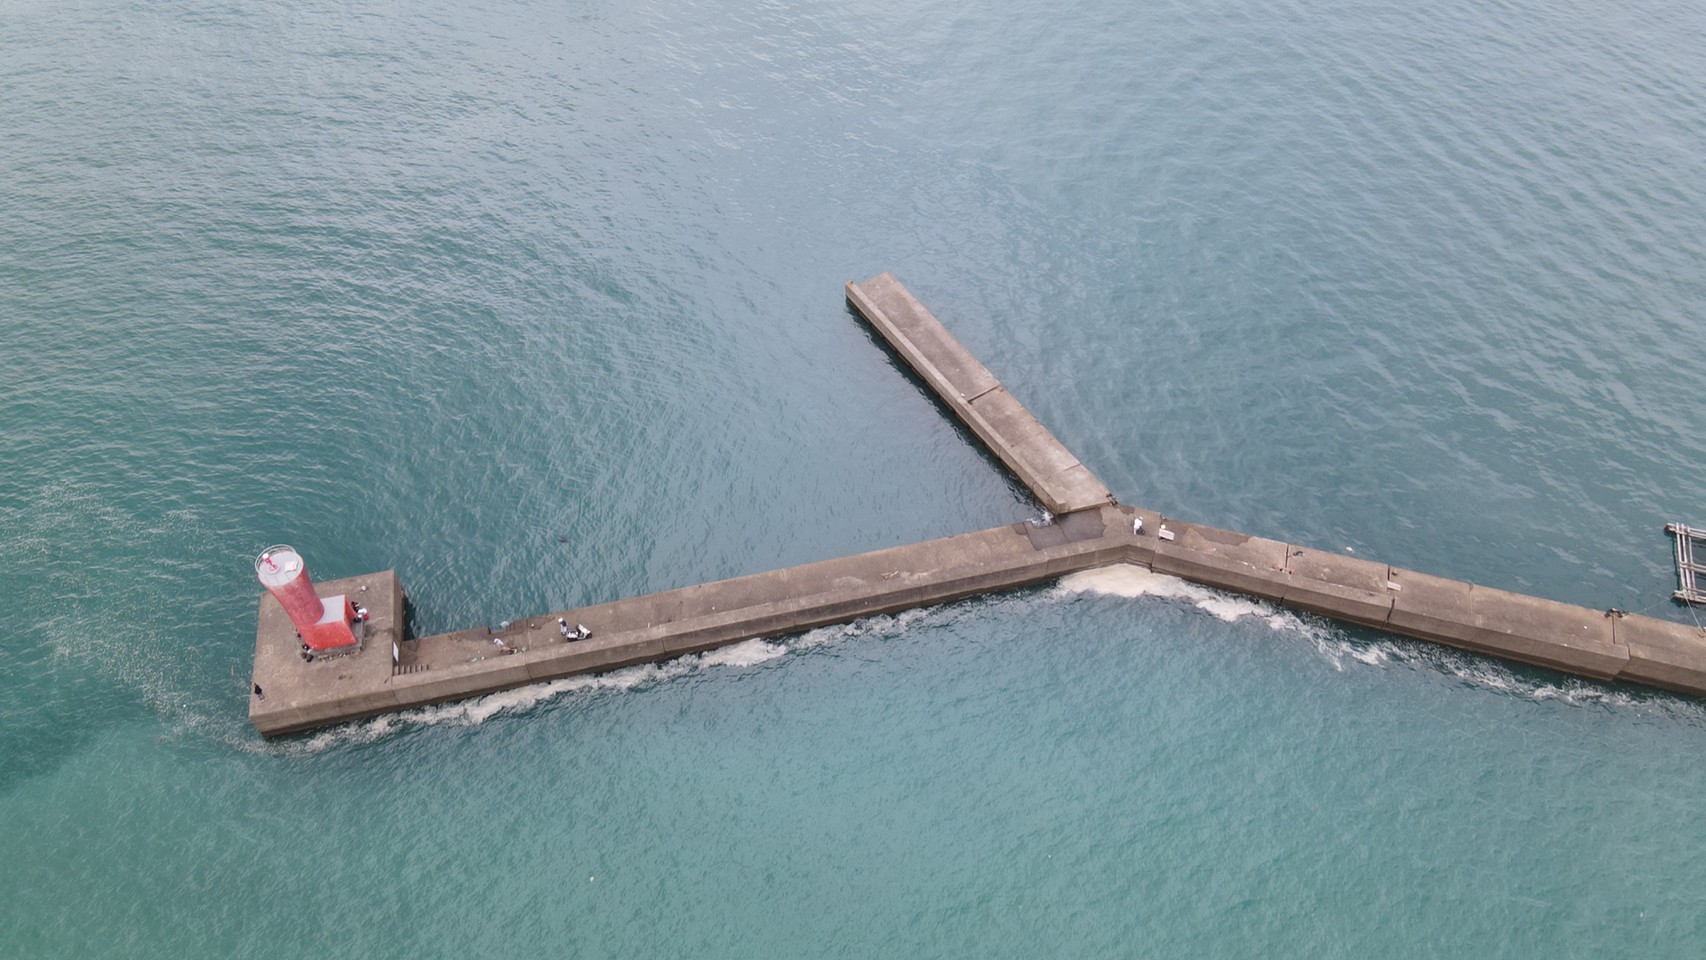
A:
[1089,529]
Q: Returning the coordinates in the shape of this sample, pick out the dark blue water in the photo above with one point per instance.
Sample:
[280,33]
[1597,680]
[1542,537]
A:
[541,305]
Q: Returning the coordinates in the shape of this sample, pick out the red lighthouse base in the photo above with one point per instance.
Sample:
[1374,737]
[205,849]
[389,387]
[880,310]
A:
[292,692]
[332,633]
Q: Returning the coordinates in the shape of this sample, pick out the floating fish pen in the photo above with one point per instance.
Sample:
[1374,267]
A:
[1688,570]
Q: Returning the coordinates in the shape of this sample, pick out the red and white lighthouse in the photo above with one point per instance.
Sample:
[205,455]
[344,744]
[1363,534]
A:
[322,622]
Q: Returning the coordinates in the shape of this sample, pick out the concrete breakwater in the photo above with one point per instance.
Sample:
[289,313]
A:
[1090,529]
[1592,643]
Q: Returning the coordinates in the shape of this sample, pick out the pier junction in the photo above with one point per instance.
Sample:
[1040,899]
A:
[1089,528]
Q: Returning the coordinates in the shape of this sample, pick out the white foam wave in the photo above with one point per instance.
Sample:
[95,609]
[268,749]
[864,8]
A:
[747,653]
[1495,676]
[1132,582]
[1338,649]
[1341,650]
[477,710]
[884,625]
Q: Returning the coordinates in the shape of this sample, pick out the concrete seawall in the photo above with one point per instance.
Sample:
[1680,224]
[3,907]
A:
[1089,530]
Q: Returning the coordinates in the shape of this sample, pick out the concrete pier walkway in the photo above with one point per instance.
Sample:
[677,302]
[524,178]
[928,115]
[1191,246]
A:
[450,666]
[1089,530]
[1040,462]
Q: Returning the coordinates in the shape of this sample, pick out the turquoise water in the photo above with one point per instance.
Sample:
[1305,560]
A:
[540,305]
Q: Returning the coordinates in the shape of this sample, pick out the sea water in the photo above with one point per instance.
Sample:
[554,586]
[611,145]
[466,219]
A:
[540,305]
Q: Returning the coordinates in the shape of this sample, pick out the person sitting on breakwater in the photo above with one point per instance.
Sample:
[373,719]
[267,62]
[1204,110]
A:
[580,632]
[502,647]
